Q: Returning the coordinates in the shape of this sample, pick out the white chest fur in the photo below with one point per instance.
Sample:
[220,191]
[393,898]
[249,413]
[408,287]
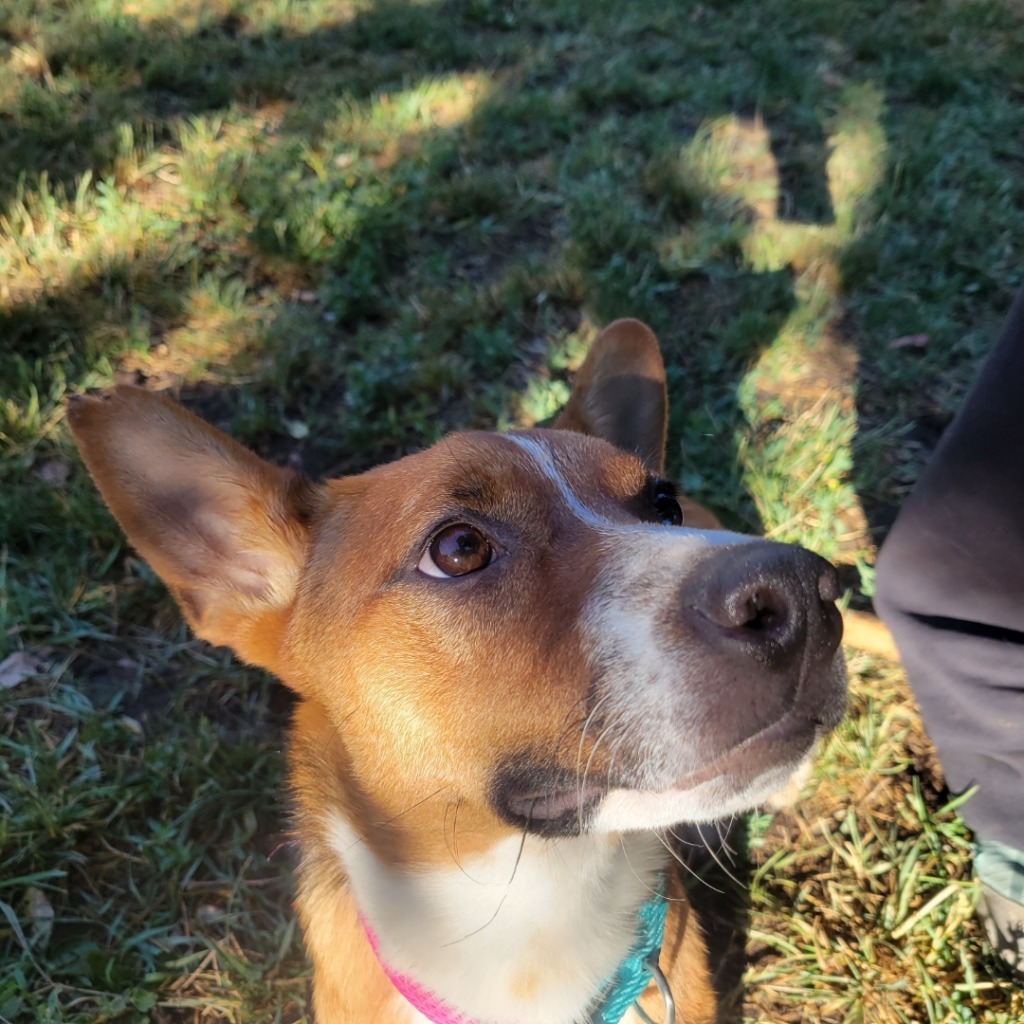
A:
[527,932]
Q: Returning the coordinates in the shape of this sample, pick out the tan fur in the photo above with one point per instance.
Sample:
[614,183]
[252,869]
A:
[684,961]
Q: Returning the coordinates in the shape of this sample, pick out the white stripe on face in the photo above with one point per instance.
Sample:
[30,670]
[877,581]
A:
[543,458]
[545,462]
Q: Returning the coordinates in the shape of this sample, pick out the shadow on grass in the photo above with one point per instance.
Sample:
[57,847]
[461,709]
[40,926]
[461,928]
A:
[444,229]
[90,74]
[447,262]
[423,196]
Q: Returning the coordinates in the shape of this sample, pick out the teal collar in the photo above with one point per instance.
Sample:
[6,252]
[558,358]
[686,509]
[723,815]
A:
[640,967]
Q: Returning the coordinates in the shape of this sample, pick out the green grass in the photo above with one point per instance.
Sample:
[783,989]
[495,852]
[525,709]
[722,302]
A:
[340,229]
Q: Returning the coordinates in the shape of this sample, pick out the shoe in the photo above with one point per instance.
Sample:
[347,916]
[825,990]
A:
[1000,869]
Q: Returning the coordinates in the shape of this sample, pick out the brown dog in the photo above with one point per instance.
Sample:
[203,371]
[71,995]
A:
[522,658]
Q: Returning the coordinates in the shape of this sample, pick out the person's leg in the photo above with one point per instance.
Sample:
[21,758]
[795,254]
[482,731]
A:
[950,585]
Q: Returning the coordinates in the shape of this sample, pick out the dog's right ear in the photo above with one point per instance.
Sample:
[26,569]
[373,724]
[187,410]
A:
[619,393]
[227,532]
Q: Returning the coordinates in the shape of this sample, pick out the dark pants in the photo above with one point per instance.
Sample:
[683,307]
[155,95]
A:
[950,585]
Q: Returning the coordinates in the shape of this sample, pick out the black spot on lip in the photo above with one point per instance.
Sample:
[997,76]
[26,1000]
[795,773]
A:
[544,799]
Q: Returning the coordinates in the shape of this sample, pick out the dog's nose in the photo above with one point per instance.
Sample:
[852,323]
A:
[771,603]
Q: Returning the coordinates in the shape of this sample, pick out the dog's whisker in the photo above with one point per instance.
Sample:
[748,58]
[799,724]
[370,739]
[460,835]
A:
[477,931]
[376,827]
[581,776]
[572,723]
[452,845]
[593,753]
[615,747]
[587,722]
[722,867]
[582,779]
[664,896]
[724,830]
[686,867]
[455,831]
[468,472]
[335,732]
[683,841]
[505,894]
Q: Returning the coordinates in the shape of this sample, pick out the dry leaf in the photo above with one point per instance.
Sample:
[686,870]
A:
[910,341]
[18,667]
[41,915]
[53,474]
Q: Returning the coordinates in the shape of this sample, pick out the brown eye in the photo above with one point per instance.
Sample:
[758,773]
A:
[456,551]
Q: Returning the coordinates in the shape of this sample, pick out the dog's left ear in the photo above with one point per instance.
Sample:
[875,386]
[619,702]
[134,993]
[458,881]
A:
[619,393]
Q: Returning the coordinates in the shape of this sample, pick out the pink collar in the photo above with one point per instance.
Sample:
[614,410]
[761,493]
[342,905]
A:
[427,1003]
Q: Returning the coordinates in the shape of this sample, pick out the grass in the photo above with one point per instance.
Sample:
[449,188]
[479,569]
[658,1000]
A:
[862,901]
[340,229]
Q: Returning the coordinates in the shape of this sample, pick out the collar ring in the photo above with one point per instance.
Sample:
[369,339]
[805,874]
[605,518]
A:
[652,965]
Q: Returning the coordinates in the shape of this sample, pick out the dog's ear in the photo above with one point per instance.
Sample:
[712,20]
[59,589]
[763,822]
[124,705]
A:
[226,531]
[619,393]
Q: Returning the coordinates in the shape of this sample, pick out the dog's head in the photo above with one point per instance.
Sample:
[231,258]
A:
[530,630]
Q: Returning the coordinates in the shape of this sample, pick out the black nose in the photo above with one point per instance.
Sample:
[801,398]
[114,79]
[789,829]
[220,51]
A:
[771,603]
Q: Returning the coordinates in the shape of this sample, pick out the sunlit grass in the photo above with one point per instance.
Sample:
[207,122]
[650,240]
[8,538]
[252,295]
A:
[867,907]
[798,398]
[343,229]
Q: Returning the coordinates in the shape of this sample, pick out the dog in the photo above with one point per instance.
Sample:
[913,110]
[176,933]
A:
[521,659]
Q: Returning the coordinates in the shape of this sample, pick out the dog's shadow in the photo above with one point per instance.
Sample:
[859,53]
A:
[717,875]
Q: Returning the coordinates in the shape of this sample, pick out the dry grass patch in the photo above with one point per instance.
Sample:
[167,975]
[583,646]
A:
[862,898]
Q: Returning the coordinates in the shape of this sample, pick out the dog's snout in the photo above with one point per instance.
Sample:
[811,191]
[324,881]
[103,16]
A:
[772,603]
